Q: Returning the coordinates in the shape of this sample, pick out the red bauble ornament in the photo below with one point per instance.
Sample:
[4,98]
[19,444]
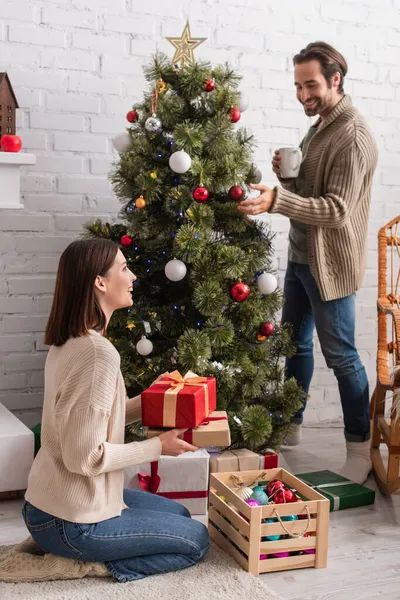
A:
[284,496]
[209,85]
[290,496]
[240,292]
[273,486]
[267,328]
[126,240]
[201,194]
[236,192]
[234,114]
[132,116]
[11,143]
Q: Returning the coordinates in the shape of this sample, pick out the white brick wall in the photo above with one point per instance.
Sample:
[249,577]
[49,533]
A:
[76,69]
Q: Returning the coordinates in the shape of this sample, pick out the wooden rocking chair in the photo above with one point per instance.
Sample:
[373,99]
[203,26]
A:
[388,360]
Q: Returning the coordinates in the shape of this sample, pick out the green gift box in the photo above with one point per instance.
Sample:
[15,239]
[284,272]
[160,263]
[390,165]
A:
[36,432]
[341,492]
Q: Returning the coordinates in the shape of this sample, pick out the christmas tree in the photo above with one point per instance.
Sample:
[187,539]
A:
[205,299]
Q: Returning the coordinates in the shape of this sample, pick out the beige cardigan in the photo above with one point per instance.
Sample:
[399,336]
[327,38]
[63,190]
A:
[339,167]
[78,474]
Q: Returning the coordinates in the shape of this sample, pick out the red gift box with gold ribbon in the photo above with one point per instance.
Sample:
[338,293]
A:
[179,401]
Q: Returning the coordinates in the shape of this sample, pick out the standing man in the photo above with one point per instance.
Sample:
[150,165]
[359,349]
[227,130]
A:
[328,207]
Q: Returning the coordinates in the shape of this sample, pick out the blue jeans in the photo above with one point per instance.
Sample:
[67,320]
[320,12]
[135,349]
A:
[335,323]
[154,535]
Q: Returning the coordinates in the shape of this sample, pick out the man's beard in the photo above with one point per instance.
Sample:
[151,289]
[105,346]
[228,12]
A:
[314,109]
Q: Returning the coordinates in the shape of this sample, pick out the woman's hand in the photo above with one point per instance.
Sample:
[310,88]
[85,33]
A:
[172,445]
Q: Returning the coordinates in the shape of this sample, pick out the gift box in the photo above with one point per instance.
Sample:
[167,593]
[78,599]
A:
[341,492]
[182,478]
[233,460]
[214,431]
[16,452]
[176,401]
[268,459]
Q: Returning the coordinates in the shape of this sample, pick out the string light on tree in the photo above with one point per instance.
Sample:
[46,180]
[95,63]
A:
[175,270]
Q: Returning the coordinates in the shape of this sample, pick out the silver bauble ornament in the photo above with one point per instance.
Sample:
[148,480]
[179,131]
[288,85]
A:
[175,270]
[153,124]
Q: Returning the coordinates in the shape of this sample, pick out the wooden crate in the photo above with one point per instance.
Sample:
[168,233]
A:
[241,537]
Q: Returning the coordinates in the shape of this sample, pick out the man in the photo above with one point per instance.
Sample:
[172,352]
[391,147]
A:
[328,206]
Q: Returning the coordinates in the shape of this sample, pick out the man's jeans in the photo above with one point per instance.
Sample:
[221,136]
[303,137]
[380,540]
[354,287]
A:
[154,535]
[335,324]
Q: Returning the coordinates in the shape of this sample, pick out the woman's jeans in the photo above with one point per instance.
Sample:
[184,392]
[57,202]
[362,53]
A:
[154,535]
[335,323]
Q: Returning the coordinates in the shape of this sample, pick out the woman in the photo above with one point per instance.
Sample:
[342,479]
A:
[75,505]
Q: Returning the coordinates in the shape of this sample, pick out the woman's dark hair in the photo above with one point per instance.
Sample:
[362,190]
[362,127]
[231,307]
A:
[331,61]
[75,307]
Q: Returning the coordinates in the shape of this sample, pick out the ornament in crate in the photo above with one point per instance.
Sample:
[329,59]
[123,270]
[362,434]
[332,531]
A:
[284,535]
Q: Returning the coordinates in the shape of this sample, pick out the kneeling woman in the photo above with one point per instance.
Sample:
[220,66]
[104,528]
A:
[75,505]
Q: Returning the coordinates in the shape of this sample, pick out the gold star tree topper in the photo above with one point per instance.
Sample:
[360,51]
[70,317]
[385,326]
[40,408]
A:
[184,46]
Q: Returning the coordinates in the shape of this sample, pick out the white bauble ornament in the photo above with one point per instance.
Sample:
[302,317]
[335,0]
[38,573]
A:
[244,493]
[267,283]
[180,161]
[153,124]
[175,270]
[243,102]
[122,142]
[144,346]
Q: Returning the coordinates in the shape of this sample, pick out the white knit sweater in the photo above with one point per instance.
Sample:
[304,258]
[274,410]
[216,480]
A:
[77,474]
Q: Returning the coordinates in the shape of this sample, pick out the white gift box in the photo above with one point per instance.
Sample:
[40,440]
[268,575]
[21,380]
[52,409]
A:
[16,452]
[184,479]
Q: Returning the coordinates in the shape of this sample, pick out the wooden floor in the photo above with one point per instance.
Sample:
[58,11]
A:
[364,543]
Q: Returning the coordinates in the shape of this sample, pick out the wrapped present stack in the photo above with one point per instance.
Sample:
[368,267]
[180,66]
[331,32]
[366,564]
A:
[188,401]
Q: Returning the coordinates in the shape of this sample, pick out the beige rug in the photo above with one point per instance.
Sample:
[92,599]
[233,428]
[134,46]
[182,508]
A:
[216,577]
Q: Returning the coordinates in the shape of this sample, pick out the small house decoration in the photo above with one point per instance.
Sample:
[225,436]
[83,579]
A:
[8,106]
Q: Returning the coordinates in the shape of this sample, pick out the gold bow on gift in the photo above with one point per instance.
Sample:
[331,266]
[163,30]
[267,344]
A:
[176,383]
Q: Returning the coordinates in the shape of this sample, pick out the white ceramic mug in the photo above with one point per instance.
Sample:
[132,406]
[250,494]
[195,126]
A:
[290,162]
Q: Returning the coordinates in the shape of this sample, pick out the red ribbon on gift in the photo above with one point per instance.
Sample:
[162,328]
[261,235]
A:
[151,483]
[188,435]
[270,460]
